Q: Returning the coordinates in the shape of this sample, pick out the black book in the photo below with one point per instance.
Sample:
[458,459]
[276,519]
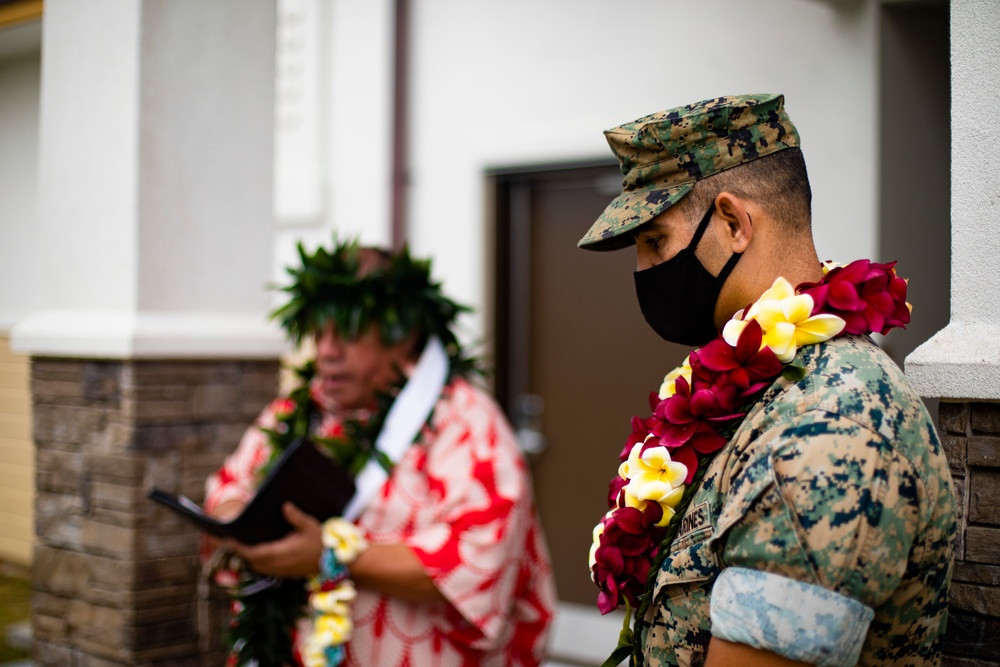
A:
[303,475]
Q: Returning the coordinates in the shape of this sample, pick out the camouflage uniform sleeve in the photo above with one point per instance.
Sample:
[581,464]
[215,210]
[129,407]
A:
[801,621]
[827,502]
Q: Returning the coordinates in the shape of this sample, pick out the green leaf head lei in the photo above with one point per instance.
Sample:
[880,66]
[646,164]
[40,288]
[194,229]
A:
[358,288]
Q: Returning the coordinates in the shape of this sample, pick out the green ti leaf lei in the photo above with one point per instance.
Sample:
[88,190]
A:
[396,298]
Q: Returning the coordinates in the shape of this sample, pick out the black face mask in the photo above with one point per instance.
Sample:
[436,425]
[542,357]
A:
[678,297]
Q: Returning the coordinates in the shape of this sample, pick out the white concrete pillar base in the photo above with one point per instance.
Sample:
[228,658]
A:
[962,361]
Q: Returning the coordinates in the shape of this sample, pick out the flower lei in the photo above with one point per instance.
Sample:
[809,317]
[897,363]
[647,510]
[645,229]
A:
[331,593]
[700,405]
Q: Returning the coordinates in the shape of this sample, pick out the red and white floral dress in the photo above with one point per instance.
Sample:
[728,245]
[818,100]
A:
[461,499]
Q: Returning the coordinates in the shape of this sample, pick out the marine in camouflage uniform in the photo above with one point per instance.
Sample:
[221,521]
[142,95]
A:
[823,530]
[836,483]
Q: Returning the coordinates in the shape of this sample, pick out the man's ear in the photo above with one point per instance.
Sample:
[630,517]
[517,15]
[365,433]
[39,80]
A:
[739,225]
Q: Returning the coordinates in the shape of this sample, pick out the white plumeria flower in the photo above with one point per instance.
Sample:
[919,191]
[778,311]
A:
[314,652]
[786,321]
[653,477]
[336,601]
[344,539]
[332,629]
[829,265]
[684,370]
[328,630]
[313,655]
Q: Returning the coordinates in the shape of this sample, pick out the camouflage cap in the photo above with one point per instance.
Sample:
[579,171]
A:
[662,156]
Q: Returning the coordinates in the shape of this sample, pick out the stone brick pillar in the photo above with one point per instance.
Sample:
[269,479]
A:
[117,577]
[961,363]
[151,350]
[971,435]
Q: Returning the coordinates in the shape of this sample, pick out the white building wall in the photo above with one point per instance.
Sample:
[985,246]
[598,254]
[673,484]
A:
[522,82]
[348,75]
[525,82]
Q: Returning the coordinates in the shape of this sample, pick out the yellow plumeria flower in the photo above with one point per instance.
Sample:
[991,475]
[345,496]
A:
[344,538]
[328,630]
[786,321]
[684,370]
[332,629]
[653,477]
[336,601]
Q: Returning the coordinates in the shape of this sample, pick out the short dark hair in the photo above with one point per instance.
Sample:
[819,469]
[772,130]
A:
[778,182]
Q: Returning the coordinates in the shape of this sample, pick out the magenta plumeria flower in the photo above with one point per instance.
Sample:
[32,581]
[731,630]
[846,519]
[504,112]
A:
[748,365]
[868,296]
[623,545]
[688,421]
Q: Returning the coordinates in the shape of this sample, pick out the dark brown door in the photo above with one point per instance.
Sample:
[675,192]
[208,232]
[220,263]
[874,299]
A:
[575,359]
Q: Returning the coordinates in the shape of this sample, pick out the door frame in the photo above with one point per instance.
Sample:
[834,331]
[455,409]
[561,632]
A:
[581,635]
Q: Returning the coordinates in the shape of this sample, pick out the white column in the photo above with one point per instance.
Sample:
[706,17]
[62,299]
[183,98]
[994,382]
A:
[335,83]
[962,361]
[155,185]
[361,42]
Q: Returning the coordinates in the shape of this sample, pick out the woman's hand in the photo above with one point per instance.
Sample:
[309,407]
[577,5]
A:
[295,555]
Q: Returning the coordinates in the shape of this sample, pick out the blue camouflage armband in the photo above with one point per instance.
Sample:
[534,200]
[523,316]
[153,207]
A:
[799,621]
